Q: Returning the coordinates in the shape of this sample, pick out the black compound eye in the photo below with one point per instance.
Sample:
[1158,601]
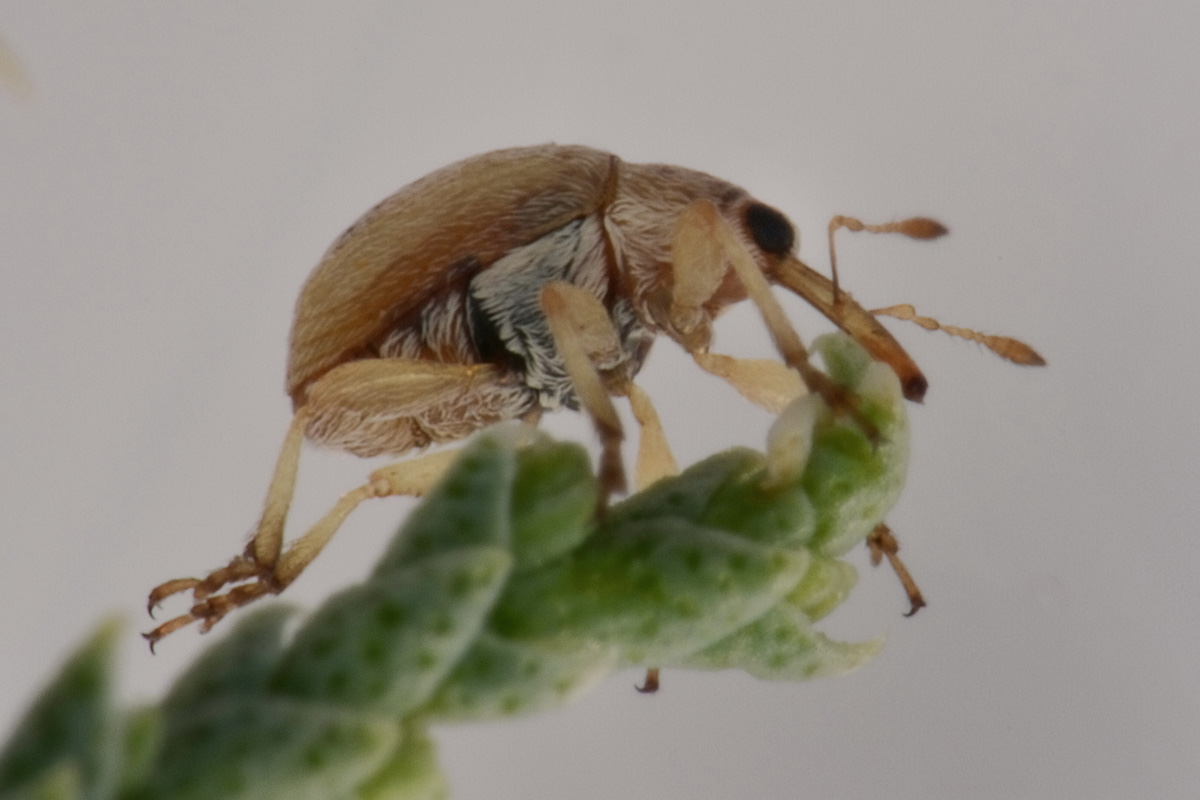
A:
[770,229]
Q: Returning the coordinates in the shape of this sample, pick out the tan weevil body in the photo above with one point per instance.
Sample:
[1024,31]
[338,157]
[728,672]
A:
[524,280]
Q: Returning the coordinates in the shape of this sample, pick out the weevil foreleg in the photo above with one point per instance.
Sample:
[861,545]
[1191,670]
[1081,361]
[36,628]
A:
[698,256]
[698,262]
[766,382]
[703,221]
[882,544]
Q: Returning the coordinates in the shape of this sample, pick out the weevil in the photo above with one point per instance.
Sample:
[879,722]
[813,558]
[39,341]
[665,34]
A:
[524,280]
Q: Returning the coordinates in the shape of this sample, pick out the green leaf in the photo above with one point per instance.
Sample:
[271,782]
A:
[270,748]
[652,589]
[388,643]
[501,677]
[470,507]
[782,645]
[239,665]
[554,499]
[73,725]
[504,594]
[412,773]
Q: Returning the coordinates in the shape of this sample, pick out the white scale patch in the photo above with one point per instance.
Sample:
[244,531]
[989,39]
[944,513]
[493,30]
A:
[508,293]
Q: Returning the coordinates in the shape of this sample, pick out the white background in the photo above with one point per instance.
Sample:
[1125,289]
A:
[174,173]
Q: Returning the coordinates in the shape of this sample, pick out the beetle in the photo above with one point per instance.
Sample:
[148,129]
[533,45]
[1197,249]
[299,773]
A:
[524,280]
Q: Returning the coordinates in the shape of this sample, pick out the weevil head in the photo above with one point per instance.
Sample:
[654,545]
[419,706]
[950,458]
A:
[749,227]
[644,219]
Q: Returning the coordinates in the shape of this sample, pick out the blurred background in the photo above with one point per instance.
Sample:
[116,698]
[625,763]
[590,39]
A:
[170,173]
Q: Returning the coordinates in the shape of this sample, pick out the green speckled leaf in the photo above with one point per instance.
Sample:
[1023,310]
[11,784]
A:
[72,722]
[470,507]
[688,495]
[240,664]
[143,732]
[845,360]
[271,748]
[782,645]
[554,500]
[781,517]
[502,595]
[386,644]
[823,588]
[653,589]
[851,484]
[412,773]
[62,782]
[499,677]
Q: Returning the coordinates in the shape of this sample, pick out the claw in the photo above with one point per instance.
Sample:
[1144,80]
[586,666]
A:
[165,590]
[650,685]
[168,627]
[211,610]
[208,607]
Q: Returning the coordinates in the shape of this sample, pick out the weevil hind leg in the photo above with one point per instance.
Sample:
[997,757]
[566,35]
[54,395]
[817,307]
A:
[397,392]
[263,550]
[268,538]
[412,477]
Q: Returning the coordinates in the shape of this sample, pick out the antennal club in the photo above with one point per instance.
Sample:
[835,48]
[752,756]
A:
[913,227]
